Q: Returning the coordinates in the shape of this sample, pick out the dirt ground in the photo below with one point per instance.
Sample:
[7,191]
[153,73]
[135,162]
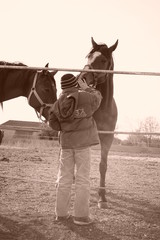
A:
[27,197]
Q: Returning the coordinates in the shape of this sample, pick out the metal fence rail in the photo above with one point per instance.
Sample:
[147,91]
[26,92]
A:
[36,129]
[81,70]
[129,133]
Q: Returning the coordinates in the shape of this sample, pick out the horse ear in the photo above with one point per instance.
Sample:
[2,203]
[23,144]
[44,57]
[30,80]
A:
[113,47]
[45,71]
[94,44]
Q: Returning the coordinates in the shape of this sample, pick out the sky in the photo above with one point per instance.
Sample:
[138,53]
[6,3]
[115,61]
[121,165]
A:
[36,32]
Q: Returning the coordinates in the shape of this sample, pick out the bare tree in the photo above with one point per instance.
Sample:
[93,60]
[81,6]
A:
[149,125]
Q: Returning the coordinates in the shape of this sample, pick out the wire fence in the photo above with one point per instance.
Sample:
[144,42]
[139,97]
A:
[83,70]
[40,129]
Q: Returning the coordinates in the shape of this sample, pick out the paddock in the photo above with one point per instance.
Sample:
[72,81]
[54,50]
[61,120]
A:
[28,195]
[27,186]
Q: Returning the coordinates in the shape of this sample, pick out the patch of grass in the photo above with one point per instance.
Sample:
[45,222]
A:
[135,149]
[29,143]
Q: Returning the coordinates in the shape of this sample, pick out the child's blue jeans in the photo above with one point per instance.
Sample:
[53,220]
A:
[73,162]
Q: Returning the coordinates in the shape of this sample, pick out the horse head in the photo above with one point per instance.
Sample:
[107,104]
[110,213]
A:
[100,57]
[43,92]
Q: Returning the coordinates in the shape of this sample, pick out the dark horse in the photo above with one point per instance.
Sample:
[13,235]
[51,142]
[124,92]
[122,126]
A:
[38,87]
[1,136]
[100,57]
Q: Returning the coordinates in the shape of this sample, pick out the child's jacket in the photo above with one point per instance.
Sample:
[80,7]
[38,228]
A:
[72,115]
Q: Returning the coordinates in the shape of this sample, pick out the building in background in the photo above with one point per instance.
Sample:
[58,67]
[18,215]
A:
[26,130]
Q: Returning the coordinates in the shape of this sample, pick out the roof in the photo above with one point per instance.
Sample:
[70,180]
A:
[16,123]
[26,125]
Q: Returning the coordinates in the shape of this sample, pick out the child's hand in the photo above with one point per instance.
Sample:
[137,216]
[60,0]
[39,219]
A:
[82,83]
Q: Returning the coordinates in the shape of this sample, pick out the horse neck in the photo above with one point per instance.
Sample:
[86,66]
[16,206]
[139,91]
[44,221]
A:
[106,90]
[16,83]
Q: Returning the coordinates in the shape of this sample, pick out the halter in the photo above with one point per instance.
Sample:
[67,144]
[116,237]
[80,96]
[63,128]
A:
[95,75]
[42,104]
[81,75]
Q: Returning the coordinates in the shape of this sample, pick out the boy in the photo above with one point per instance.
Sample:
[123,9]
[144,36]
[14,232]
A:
[72,115]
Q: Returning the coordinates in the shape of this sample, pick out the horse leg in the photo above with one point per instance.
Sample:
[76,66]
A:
[105,146]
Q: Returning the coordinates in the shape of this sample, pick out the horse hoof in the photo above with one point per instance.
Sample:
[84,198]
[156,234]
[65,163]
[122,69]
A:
[102,205]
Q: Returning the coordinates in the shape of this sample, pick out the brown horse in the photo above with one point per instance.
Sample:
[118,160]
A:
[1,136]
[100,57]
[38,87]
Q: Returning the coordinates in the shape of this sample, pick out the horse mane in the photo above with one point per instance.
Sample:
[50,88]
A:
[12,63]
[106,88]
[4,63]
